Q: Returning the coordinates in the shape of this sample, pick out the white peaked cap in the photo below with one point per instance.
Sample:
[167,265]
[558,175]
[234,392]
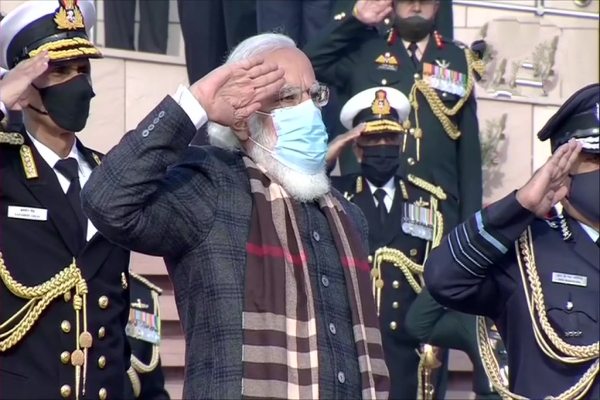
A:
[34,26]
[365,99]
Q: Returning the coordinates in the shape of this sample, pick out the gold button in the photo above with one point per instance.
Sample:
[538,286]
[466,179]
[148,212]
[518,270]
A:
[102,394]
[103,301]
[101,362]
[101,332]
[444,94]
[384,82]
[395,304]
[411,161]
[343,14]
[65,391]
[417,76]
[65,326]
[393,325]
[396,284]
[386,21]
[67,297]
[370,259]
[412,130]
[65,357]
[413,252]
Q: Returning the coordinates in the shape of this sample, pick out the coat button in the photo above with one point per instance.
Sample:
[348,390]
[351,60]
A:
[341,377]
[151,127]
[569,306]
[332,329]
[396,284]
[156,121]
[316,236]
[393,325]
[411,161]
[102,394]
[145,133]
[65,391]
[65,326]
[103,302]
[417,76]
[386,21]
[395,304]
[67,296]
[101,362]
[65,357]
[161,114]
[413,252]
[325,280]
[384,81]
[101,332]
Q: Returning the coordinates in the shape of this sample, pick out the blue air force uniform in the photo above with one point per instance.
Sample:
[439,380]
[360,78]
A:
[537,279]
[146,379]
[400,210]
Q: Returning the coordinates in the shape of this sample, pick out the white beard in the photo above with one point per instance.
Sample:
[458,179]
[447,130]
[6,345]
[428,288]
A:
[299,186]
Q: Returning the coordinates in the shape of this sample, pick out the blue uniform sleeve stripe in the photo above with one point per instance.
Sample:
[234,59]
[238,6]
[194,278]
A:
[462,259]
[480,245]
[483,259]
[487,236]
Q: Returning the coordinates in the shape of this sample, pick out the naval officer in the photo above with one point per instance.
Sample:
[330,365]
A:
[403,213]
[146,379]
[64,288]
[538,278]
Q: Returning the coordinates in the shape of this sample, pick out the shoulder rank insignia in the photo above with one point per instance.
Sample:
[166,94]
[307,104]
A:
[387,62]
[381,105]
[11,138]
[124,280]
[96,158]
[68,15]
[359,185]
[28,162]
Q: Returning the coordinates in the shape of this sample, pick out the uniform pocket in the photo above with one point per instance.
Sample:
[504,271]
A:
[574,315]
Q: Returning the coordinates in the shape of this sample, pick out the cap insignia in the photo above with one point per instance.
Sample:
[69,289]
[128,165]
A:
[381,105]
[68,15]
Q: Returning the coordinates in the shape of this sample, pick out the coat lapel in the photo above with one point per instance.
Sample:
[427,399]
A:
[583,244]
[394,222]
[366,202]
[46,188]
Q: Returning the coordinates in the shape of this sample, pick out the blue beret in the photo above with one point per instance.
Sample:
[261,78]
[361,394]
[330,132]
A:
[576,119]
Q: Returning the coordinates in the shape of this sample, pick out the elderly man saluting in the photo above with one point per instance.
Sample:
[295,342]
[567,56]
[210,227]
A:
[269,265]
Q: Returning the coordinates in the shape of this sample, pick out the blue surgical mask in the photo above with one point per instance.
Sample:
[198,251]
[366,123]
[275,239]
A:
[301,138]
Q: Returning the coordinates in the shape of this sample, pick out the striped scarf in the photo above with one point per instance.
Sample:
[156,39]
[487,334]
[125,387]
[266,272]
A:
[280,355]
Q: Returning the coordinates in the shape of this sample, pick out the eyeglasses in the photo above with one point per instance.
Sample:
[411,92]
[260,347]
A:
[292,96]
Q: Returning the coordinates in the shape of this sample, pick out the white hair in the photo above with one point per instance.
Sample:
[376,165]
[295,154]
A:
[299,186]
[223,136]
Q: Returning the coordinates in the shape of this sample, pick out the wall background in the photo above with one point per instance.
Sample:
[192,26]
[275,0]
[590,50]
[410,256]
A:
[129,84]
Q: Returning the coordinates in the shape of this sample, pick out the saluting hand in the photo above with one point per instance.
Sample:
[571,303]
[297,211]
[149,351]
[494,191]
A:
[372,12]
[232,92]
[15,84]
[337,145]
[547,186]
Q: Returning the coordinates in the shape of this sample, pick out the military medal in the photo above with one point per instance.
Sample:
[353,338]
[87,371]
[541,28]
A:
[418,220]
[143,326]
[442,78]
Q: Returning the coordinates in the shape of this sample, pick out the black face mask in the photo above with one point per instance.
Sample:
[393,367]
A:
[68,103]
[380,163]
[413,29]
[584,195]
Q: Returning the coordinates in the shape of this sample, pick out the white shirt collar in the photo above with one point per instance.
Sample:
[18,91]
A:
[590,231]
[389,188]
[52,158]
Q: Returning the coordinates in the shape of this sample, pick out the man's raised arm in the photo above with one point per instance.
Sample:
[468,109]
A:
[136,200]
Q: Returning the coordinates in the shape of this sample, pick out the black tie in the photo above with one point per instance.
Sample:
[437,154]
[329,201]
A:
[413,48]
[70,169]
[380,196]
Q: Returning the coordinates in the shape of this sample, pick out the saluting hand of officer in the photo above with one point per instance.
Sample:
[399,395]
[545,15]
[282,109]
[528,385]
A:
[337,145]
[547,186]
[15,84]
[372,12]
[232,92]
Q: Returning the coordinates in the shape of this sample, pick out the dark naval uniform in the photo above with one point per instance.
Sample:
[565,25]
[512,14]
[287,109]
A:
[432,323]
[442,145]
[537,279]
[400,242]
[64,294]
[146,379]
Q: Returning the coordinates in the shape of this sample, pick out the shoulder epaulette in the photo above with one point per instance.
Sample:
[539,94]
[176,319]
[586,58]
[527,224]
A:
[145,282]
[11,138]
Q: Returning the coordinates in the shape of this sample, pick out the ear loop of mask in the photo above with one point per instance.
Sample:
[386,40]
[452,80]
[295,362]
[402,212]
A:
[37,110]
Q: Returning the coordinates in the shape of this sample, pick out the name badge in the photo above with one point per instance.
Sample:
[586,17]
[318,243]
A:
[568,279]
[29,213]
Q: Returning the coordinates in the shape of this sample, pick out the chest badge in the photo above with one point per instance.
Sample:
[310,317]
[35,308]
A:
[387,62]
[440,77]
[139,305]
